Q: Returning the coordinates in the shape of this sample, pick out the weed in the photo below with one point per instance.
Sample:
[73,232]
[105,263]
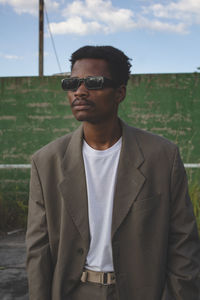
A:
[194,191]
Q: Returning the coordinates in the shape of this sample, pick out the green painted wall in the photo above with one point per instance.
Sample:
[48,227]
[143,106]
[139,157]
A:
[34,111]
[169,105]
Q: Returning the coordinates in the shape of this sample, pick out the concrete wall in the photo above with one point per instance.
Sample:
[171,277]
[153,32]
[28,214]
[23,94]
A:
[34,111]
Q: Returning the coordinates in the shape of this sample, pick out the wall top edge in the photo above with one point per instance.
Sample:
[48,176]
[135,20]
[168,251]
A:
[132,75]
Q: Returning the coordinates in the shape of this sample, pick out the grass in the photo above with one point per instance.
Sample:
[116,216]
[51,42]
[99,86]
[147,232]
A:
[194,191]
[13,210]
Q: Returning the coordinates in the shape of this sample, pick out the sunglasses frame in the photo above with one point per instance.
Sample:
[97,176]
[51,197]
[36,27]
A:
[105,82]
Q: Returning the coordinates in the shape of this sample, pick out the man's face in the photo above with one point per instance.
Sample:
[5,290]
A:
[94,106]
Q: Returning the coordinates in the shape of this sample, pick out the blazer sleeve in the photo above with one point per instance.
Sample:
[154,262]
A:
[183,269]
[39,265]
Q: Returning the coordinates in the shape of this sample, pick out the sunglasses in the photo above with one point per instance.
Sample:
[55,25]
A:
[90,82]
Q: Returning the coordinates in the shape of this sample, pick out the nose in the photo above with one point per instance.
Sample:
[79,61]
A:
[81,91]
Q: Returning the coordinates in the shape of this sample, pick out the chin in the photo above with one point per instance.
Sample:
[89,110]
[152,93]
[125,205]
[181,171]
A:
[82,116]
[87,119]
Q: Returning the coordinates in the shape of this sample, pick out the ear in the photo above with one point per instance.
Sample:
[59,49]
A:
[120,93]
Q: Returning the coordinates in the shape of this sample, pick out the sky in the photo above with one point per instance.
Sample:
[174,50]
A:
[160,36]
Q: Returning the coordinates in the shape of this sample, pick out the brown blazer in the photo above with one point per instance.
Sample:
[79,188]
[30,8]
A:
[156,251]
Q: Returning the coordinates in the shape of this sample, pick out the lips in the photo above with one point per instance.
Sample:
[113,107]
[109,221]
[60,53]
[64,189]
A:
[81,103]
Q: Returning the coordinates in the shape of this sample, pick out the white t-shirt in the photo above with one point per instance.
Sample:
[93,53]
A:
[100,168]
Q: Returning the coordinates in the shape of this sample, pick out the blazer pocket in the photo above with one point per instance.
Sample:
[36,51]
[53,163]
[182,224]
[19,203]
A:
[147,203]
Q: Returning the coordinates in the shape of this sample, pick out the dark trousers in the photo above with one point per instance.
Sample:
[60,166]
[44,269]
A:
[94,291]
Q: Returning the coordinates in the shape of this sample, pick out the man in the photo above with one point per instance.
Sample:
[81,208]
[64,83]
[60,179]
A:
[109,211]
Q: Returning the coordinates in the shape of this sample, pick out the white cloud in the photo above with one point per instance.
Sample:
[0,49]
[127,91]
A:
[91,16]
[46,53]
[103,11]
[156,25]
[29,6]
[11,56]
[82,17]
[75,25]
[184,10]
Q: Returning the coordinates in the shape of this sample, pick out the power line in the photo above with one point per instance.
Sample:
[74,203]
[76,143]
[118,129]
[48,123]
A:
[52,40]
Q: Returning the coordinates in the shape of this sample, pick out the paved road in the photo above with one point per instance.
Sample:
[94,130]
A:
[13,280]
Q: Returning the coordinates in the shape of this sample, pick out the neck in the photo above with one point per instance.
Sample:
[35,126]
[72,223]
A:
[102,136]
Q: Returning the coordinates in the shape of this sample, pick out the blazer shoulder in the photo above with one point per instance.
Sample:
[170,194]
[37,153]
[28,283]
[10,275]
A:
[151,139]
[154,148]
[56,147]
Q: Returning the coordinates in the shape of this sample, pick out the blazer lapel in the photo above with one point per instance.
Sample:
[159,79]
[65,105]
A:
[129,178]
[73,186]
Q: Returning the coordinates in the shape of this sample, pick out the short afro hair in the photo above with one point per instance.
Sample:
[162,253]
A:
[118,63]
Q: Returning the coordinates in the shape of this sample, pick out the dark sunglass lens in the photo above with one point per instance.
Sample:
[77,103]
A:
[94,82]
[70,84]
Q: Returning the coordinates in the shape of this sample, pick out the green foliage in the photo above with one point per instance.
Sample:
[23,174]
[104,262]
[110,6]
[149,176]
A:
[14,185]
[194,191]
[13,211]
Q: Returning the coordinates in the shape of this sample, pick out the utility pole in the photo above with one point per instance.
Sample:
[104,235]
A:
[41,36]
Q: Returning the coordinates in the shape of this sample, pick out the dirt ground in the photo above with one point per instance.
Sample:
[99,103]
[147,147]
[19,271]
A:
[13,279]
